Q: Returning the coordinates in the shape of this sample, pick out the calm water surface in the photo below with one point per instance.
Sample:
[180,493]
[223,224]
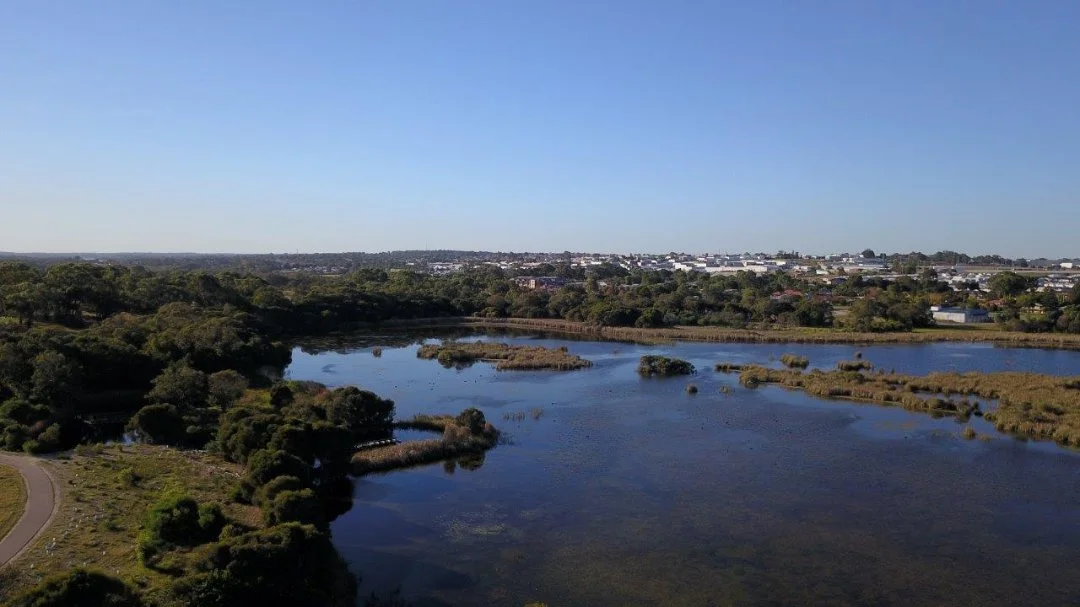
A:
[630,491]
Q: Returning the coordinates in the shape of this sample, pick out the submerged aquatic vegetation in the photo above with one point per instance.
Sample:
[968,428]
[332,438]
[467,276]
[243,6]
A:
[663,366]
[1029,404]
[507,357]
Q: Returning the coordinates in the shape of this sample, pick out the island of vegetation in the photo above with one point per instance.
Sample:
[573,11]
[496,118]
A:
[505,356]
[793,361]
[661,366]
[1027,404]
[468,433]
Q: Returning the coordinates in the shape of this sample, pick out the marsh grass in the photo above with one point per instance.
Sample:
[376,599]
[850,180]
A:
[793,361]
[768,334]
[969,433]
[505,356]
[728,367]
[100,512]
[854,365]
[456,440]
[519,416]
[12,498]
[1028,404]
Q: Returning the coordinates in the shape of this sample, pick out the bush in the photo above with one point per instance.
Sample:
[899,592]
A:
[177,520]
[267,492]
[159,424]
[289,564]
[294,507]
[78,588]
[264,466]
[663,366]
[225,387]
[473,419]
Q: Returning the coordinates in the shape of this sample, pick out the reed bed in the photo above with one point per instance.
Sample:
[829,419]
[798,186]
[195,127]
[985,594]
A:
[854,365]
[456,440]
[1029,404]
[793,361]
[728,367]
[770,335]
[662,366]
[505,356]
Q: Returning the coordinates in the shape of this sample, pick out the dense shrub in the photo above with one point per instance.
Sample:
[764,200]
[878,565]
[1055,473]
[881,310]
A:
[651,365]
[78,588]
[288,564]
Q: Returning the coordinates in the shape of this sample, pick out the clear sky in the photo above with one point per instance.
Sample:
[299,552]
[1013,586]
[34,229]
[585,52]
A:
[540,125]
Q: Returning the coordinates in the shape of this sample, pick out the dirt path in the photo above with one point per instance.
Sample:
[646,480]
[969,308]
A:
[41,503]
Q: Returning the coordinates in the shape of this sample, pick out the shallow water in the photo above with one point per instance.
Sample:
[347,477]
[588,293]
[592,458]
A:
[630,491]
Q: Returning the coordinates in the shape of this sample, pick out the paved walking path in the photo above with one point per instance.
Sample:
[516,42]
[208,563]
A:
[41,502]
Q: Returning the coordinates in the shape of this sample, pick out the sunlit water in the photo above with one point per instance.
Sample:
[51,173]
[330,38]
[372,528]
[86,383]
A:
[631,491]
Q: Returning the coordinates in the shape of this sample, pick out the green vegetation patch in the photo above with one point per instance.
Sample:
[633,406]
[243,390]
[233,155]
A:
[652,365]
[506,357]
[12,498]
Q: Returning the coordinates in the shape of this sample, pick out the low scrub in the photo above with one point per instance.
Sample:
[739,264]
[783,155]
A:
[662,366]
[505,356]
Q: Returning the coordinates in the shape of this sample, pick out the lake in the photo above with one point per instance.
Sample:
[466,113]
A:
[631,491]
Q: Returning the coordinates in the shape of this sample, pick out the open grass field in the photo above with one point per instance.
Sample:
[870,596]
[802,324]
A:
[12,498]
[105,493]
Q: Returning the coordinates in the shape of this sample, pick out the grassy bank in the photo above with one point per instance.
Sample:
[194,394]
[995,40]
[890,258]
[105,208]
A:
[106,494]
[505,356]
[460,436]
[12,498]
[1028,404]
[982,334]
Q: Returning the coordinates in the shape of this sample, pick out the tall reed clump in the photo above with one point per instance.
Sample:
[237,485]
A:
[728,367]
[505,356]
[854,365]
[793,361]
[691,389]
[653,365]
[467,433]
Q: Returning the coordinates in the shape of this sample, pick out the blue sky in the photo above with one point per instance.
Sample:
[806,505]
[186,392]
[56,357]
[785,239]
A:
[820,126]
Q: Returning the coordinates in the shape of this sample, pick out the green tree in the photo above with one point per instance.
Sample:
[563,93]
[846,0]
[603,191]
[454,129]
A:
[362,412]
[56,380]
[225,387]
[1009,284]
[158,425]
[294,506]
[180,385]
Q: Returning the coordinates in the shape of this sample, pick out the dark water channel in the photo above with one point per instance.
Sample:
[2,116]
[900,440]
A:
[629,491]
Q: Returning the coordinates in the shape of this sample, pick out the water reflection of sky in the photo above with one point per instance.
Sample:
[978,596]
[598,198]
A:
[630,491]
